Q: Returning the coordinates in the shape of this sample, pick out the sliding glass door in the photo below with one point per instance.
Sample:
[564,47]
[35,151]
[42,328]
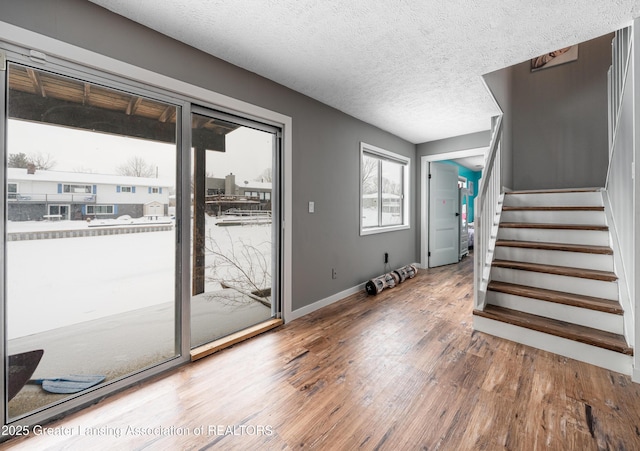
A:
[135,227]
[89,236]
[235,231]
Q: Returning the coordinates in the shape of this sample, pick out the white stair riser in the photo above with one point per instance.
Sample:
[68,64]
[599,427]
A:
[579,199]
[576,285]
[555,217]
[608,322]
[593,355]
[558,258]
[588,237]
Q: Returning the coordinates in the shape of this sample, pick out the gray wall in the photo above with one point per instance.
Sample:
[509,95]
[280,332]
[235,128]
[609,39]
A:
[560,121]
[325,142]
[500,85]
[463,142]
[555,120]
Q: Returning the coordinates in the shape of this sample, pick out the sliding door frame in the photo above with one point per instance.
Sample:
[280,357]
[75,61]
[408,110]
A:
[30,48]
[276,193]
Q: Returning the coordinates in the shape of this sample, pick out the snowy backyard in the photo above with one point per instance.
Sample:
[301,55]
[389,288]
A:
[105,304]
[53,283]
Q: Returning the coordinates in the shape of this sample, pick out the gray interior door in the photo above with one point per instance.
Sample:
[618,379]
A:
[444,225]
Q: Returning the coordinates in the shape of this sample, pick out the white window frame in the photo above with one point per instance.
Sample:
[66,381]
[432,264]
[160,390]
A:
[405,162]
[155,190]
[93,209]
[12,194]
[126,189]
[70,188]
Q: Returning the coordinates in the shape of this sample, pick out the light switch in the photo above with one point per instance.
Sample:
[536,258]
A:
[312,207]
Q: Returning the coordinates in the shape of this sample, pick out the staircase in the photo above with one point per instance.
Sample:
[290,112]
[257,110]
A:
[552,281]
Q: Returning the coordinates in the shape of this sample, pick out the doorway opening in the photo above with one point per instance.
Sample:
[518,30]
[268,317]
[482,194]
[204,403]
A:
[472,189]
[235,226]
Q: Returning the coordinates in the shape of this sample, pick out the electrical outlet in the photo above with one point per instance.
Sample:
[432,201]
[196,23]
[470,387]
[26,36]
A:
[334,273]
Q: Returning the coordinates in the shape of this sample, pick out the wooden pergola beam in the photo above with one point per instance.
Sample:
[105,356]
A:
[166,114]
[37,83]
[134,103]
[86,94]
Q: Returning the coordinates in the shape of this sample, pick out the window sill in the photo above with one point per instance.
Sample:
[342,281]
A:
[375,230]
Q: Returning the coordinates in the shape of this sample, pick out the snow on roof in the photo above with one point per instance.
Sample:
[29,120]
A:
[384,196]
[20,174]
[265,186]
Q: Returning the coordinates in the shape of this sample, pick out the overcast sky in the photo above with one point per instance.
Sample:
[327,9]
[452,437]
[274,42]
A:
[248,151]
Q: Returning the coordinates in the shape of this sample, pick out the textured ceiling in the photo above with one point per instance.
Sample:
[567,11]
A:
[411,67]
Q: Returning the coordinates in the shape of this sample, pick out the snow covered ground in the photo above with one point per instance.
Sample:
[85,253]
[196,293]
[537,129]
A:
[370,217]
[55,283]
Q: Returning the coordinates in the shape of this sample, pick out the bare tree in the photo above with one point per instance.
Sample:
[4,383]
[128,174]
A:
[391,187]
[369,175]
[18,160]
[42,161]
[136,166]
[266,176]
[243,268]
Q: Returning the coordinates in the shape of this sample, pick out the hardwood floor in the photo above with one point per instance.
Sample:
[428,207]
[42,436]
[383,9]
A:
[400,370]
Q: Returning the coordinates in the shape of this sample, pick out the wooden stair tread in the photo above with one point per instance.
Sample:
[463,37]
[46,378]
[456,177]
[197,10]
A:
[546,191]
[552,208]
[558,297]
[535,225]
[587,249]
[582,334]
[593,274]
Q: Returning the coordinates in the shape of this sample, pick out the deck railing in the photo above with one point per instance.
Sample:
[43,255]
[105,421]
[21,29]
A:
[487,206]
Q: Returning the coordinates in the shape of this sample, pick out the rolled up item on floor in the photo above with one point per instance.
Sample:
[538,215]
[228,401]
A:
[401,274]
[377,284]
[406,272]
[392,279]
[410,270]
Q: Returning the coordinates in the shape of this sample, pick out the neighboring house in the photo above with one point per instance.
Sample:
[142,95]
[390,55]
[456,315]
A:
[36,195]
[224,194]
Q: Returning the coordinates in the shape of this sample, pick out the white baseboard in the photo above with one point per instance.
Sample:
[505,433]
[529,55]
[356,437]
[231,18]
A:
[298,313]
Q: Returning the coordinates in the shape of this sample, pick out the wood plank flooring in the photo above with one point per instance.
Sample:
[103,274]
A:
[551,208]
[400,370]
[558,297]
[537,225]
[583,248]
[582,334]
[594,274]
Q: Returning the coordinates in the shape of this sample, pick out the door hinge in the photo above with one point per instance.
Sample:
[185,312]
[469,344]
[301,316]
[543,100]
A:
[429,254]
[429,176]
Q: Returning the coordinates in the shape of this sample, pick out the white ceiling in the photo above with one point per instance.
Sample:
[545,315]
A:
[410,67]
[475,163]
